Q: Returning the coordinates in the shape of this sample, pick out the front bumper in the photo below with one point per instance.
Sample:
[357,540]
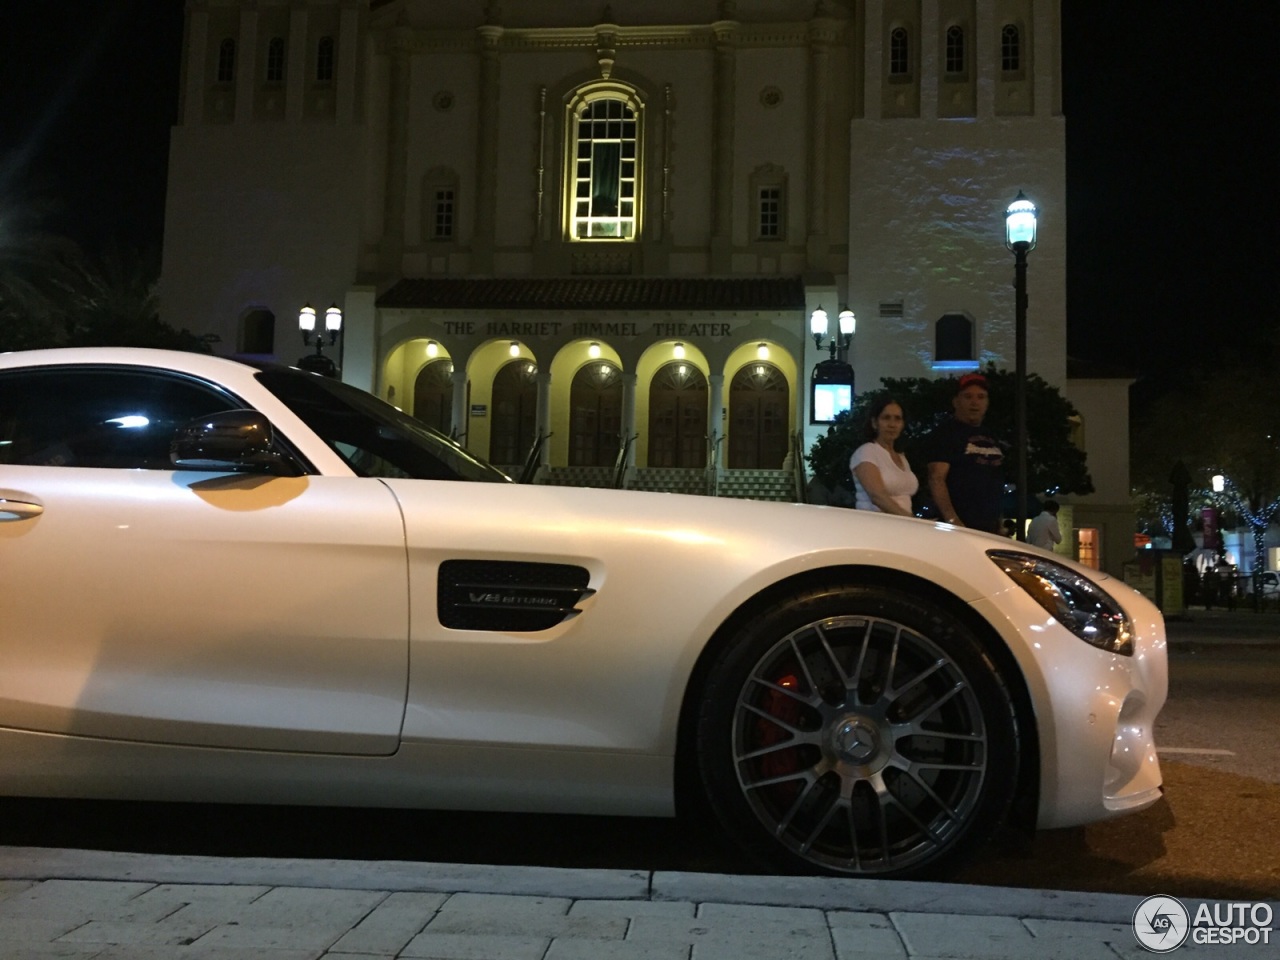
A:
[1095,711]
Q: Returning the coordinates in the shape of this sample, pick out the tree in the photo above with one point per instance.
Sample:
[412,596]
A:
[36,274]
[114,304]
[1055,465]
[52,295]
[1224,422]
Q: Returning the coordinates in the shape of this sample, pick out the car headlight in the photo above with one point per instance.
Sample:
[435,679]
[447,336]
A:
[1073,600]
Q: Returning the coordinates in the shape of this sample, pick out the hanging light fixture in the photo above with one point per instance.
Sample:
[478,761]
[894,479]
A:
[593,351]
[433,348]
[678,351]
[514,349]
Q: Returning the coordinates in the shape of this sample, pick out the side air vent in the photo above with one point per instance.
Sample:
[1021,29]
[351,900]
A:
[508,595]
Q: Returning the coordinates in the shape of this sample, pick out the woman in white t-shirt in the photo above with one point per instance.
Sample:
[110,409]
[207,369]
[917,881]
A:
[882,476]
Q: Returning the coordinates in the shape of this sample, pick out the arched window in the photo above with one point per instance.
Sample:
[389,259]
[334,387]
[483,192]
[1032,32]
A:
[275,60]
[324,60]
[899,52]
[955,49]
[1010,48]
[258,332]
[953,338]
[758,402]
[595,415]
[227,61]
[603,161]
[515,412]
[678,416]
[433,395]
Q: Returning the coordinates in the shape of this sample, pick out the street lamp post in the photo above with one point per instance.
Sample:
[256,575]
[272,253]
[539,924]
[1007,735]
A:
[317,362]
[1020,237]
[831,383]
[819,326]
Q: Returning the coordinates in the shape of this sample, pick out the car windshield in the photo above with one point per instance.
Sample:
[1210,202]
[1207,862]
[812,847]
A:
[374,438]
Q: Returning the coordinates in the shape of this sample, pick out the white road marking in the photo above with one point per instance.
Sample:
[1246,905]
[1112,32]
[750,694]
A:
[1207,751]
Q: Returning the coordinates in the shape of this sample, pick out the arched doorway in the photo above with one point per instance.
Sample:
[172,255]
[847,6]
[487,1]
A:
[515,413]
[758,401]
[595,418]
[678,416]
[433,395]
[258,333]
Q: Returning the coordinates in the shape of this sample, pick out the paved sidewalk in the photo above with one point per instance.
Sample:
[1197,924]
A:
[117,906]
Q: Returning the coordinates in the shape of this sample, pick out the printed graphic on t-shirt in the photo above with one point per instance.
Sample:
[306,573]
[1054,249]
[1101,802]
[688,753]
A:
[985,451]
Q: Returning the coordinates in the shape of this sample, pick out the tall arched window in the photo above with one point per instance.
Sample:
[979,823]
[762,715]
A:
[515,412]
[899,52]
[258,332]
[433,395]
[955,49]
[603,182]
[595,415]
[758,433]
[227,61]
[678,417]
[1010,48]
[953,338]
[275,60]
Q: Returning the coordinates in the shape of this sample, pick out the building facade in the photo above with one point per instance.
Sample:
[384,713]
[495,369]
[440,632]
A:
[595,234]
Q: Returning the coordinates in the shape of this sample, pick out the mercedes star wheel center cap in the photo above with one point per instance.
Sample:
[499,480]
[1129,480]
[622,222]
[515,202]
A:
[856,740]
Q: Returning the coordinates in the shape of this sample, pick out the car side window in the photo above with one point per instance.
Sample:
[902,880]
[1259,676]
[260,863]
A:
[98,417]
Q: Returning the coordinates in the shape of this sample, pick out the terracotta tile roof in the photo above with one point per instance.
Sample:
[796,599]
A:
[597,293]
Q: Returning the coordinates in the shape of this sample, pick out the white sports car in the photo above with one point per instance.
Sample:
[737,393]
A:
[226,583]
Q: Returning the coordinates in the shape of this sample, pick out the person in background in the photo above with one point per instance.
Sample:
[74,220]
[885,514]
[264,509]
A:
[966,463]
[882,478]
[1044,531]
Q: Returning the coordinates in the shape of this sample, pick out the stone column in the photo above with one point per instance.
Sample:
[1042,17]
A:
[197,66]
[932,44]
[391,247]
[461,419]
[715,419]
[348,55]
[723,106]
[487,151]
[629,381]
[246,64]
[821,34]
[544,416]
[295,78]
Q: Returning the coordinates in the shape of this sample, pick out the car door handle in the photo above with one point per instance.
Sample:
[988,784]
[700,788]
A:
[18,510]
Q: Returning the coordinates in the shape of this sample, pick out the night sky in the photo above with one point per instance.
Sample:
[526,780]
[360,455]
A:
[1172,253]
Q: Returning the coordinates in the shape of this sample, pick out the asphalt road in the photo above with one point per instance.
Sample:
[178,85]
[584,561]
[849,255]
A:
[1212,836]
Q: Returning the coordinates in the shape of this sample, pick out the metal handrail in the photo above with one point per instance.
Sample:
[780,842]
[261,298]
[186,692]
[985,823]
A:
[713,463]
[620,465]
[797,465]
[531,461]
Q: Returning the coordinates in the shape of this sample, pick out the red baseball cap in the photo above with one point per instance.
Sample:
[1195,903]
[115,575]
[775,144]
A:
[972,380]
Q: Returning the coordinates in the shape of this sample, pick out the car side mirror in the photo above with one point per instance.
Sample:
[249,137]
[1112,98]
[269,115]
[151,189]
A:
[230,440]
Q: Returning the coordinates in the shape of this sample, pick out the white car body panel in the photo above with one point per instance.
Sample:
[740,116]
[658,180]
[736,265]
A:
[580,717]
[205,610]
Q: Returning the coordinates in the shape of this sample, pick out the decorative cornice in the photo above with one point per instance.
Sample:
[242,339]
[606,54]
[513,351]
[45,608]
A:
[605,37]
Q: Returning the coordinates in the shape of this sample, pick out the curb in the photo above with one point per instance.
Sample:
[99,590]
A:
[874,896]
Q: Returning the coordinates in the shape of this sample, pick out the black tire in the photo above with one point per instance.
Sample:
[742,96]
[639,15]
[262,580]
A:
[857,731]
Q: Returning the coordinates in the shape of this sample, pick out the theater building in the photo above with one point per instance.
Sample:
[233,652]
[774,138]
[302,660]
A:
[591,237]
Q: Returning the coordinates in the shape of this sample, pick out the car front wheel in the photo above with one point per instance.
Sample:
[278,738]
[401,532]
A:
[859,731]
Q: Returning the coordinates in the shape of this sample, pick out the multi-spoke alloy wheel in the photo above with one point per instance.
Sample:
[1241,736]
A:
[862,732]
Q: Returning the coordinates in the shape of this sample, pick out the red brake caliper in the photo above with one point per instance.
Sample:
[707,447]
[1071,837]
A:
[787,711]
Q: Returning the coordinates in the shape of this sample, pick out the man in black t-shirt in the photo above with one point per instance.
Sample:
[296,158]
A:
[966,463]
